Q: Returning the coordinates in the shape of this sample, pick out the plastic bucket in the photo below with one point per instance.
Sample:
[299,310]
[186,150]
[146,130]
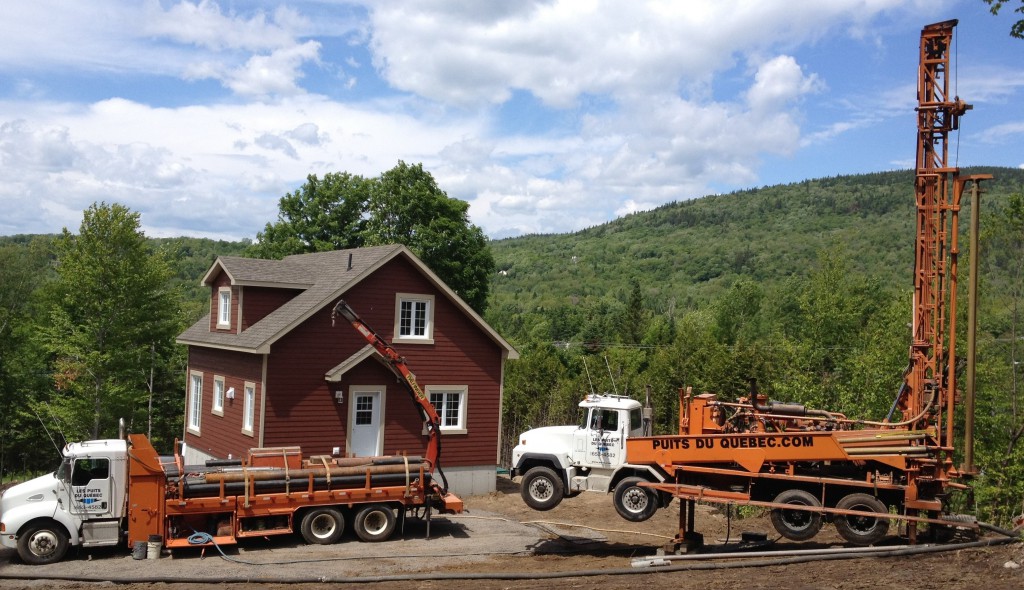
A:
[154,546]
[139,550]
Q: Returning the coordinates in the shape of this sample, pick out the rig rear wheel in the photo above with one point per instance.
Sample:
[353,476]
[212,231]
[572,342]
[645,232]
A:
[859,529]
[796,525]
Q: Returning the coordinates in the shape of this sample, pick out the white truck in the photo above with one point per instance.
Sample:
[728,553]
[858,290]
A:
[80,496]
[556,462]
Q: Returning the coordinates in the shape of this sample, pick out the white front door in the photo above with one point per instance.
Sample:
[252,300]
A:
[365,435]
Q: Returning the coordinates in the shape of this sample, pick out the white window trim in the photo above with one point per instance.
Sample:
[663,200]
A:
[249,408]
[221,321]
[195,402]
[219,391]
[427,338]
[463,391]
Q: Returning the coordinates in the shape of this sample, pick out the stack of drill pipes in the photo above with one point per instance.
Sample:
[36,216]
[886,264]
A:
[266,474]
[886,450]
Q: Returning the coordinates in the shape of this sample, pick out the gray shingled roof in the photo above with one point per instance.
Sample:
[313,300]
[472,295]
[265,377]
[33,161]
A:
[256,271]
[324,276]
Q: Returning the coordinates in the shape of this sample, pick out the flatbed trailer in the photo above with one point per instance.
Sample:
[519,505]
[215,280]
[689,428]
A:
[276,495]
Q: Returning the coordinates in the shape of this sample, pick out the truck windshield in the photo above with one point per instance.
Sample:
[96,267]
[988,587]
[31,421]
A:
[584,418]
[62,472]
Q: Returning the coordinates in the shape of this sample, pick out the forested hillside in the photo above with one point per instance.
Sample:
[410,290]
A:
[690,252]
[804,286]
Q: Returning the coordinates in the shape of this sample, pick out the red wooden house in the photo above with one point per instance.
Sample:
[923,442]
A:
[266,368]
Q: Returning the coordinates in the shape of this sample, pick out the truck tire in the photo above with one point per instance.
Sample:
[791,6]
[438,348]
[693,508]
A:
[375,523]
[42,543]
[634,502]
[322,526]
[941,533]
[796,525]
[542,489]
[861,530]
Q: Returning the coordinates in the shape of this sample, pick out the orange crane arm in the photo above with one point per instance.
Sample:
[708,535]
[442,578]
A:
[398,366]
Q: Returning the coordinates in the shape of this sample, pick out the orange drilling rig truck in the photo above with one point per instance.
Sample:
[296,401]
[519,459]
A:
[114,490]
[807,465]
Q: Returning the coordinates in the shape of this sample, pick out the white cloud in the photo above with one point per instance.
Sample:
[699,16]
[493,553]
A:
[1002,132]
[307,133]
[778,82]
[274,74]
[205,25]
[216,170]
[560,50]
[641,103]
[257,55]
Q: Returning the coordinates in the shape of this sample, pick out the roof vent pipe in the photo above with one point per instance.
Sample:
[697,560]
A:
[349,261]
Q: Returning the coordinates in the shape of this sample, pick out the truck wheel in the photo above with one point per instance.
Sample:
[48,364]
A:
[796,525]
[941,533]
[43,543]
[634,502]
[542,489]
[375,523]
[322,526]
[861,530]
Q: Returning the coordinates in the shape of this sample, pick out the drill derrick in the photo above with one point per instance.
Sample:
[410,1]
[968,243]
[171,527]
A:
[930,379]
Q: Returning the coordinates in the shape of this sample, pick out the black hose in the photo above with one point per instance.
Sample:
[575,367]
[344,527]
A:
[510,575]
[1000,530]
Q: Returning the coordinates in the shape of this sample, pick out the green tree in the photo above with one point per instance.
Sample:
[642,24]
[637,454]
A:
[322,215]
[111,323]
[737,310]
[633,321]
[402,206]
[999,427]
[1017,29]
[23,269]
[407,207]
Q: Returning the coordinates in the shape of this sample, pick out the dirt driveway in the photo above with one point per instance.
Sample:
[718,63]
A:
[500,543]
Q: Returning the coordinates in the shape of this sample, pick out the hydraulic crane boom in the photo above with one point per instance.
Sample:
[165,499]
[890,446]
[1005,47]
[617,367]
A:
[398,366]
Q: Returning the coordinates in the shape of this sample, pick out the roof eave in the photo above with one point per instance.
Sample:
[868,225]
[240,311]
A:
[263,349]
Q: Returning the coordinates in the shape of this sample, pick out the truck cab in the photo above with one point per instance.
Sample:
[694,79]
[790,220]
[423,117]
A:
[562,461]
[81,503]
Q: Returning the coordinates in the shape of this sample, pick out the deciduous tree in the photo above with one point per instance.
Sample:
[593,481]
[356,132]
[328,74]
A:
[402,206]
[111,318]
[408,207]
[322,215]
[1017,29]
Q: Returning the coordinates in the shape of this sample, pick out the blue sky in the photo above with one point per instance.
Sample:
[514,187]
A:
[546,116]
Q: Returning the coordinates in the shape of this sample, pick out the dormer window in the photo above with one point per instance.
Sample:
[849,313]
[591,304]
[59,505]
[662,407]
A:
[414,318]
[224,307]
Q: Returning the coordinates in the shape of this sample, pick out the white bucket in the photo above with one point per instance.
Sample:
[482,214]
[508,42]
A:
[155,544]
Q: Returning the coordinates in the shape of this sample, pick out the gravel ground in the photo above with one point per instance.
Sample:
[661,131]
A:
[499,537]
